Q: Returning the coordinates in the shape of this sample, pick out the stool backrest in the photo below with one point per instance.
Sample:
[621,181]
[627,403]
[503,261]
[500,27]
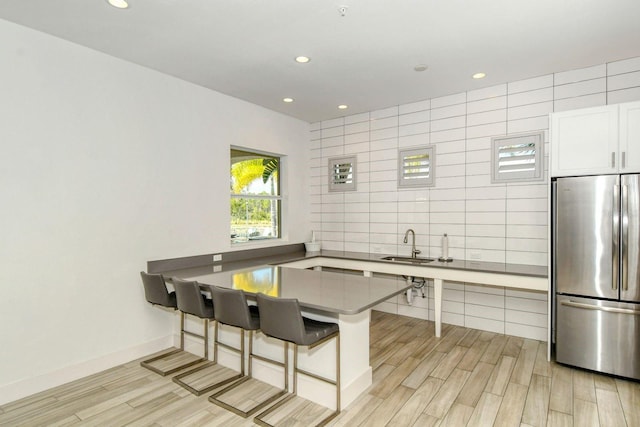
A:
[231,307]
[190,299]
[155,290]
[281,318]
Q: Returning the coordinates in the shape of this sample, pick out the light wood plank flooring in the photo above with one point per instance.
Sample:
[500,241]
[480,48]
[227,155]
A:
[467,377]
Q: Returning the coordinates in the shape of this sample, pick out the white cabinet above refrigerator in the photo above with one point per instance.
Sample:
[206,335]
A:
[598,140]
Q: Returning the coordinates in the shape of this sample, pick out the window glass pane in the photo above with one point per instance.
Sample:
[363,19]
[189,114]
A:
[254,184]
[416,166]
[254,219]
[517,158]
[255,174]
[343,174]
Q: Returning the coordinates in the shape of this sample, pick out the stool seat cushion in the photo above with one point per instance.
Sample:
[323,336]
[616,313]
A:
[255,318]
[316,330]
[173,302]
[281,318]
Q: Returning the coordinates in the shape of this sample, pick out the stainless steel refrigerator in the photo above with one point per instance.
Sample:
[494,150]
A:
[596,249]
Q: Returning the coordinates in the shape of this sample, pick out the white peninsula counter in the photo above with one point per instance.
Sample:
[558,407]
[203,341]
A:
[342,298]
[335,297]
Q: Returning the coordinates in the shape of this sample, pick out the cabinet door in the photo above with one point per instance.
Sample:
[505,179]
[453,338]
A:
[585,141]
[630,137]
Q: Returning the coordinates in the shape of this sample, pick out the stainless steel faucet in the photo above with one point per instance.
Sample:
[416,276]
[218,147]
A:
[414,251]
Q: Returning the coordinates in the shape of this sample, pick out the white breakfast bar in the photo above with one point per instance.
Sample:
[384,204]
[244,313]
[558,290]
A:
[345,299]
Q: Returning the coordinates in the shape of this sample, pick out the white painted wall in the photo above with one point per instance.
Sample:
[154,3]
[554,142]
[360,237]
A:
[105,165]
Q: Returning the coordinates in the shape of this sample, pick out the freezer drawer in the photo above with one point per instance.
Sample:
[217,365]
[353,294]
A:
[599,335]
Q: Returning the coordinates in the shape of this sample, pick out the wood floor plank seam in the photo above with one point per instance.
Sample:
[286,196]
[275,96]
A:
[466,377]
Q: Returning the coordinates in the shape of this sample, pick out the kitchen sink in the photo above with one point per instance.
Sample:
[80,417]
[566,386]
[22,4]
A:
[408,259]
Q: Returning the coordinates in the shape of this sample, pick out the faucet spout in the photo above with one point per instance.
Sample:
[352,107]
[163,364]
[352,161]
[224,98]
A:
[414,251]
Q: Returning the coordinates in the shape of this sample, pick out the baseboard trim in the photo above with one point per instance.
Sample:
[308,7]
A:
[28,386]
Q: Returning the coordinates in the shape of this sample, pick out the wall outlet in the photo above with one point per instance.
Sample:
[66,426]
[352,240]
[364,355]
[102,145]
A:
[475,255]
[217,268]
[217,257]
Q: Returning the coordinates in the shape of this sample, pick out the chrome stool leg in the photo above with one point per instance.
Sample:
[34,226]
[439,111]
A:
[180,379]
[260,419]
[216,398]
[149,363]
[282,318]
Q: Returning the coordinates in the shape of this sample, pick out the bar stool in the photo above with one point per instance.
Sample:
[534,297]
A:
[232,310]
[192,302]
[281,318]
[228,311]
[155,290]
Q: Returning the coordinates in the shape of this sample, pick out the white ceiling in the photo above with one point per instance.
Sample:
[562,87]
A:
[246,48]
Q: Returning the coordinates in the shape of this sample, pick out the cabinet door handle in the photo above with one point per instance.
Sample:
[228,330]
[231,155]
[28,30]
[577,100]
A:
[613,160]
[624,159]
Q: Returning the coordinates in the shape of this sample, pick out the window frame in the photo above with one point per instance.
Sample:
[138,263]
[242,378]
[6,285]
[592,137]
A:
[428,181]
[343,186]
[537,174]
[278,198]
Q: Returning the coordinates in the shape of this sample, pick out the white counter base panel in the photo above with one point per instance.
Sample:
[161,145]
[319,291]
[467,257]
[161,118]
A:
[356,373]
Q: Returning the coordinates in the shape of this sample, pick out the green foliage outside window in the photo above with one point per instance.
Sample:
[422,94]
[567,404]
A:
[255,196]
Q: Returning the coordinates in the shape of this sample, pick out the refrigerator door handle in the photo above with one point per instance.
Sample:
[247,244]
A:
[615,237]
[600,308]
[625,238]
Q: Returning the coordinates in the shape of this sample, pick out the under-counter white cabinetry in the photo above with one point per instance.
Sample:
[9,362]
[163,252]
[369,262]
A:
[597,140]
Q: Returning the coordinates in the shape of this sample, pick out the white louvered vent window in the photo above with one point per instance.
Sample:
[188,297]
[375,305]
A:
[416,166]
[342,174]
[517,158]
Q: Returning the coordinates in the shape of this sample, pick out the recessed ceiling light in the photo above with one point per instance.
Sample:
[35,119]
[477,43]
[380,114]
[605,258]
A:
[120,4]
[302,59]
[420,67]
[287,100]
[343,107]
[479,76]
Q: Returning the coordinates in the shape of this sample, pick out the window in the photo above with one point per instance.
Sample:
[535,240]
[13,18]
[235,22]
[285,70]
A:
[517,158]
[342,174]
[416,166]
[255,196]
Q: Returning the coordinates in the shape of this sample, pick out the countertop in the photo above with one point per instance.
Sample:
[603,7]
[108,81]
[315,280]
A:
[327,291]
[487,267]
[317,290]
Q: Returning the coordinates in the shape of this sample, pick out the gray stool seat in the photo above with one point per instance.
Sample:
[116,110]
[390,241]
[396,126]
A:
[156,293]
[232,310]
[281,318]
[155,290]
[316,331]
[190,299]
[192,302]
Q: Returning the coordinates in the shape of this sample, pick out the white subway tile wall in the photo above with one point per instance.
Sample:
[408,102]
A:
[504,223]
